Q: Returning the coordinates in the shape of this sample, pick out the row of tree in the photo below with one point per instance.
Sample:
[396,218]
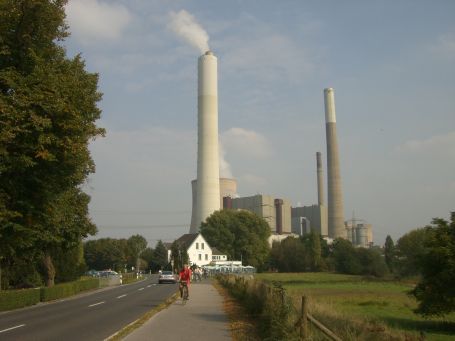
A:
[125,254]
[48,110]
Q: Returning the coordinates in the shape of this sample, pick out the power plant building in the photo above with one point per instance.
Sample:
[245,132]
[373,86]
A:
[228,190]
[276,212]
[309,218]
[359,234]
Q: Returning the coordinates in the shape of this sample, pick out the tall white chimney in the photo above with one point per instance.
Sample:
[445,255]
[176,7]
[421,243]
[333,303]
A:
[335,195]
[208,165]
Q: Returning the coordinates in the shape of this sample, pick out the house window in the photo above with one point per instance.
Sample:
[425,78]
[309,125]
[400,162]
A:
[202,246]
[206,257]
[197,246]
[199,256]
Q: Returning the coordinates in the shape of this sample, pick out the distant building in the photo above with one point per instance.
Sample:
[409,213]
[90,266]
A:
[309,218]
[276,212]
[360,234]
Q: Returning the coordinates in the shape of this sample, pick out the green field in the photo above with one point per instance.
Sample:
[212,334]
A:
[352,302]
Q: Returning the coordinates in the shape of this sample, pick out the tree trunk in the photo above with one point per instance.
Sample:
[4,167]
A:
[50,270]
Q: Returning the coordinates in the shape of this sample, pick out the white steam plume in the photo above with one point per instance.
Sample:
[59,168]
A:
[186,26]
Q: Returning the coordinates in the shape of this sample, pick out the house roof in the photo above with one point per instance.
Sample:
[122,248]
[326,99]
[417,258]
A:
[187,239]
[215,251]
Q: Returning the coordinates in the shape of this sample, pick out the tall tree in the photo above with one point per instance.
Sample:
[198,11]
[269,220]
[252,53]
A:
[160,255]
[136,245]
[239,234]
[436,291]
[389,253]
[48,109]
[410,248]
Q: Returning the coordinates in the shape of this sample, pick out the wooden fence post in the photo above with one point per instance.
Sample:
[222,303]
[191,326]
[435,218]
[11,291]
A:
[304,319]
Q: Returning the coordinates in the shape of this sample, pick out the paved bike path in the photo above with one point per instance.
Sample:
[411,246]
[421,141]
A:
[201,318]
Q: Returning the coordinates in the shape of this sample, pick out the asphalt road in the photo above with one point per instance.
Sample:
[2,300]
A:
[93,316]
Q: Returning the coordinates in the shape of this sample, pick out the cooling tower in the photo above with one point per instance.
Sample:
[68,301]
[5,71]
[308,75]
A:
[335,197]
[208,165]
[320,179]
[228,188]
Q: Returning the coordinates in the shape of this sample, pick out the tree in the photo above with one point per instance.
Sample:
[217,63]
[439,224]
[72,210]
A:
[410,249]
[241,235]
[48,109]
[289,255]
[389,253]
[160,255]
[435,291]
[136,245]
[344,257]
[106,253]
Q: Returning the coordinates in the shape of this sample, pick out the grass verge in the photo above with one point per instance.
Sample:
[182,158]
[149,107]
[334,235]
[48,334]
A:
[241,324]
[140,321]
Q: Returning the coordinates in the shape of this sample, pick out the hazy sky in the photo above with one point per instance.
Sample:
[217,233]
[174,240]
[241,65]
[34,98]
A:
[391,63]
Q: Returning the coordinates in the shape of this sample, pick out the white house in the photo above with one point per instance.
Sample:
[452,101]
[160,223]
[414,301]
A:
[217,255]
[199,251]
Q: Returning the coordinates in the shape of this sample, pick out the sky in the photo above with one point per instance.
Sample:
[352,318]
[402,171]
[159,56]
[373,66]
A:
[390,62]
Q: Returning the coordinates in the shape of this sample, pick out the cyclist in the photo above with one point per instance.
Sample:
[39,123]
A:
[185,276]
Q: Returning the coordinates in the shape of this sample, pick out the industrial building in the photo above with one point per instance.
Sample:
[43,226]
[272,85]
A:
[309,218]
[210,193]
[359,233]
[276,212]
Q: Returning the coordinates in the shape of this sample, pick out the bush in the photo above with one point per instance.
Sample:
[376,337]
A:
[14,299]
[270,305]
[68,289]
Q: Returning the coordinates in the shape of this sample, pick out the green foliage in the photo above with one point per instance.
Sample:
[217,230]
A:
[68,289]
[289,255]
[160,255]
[389,253]
[14,299]
[357,261]
[410,249]
[106,253]
[362,308]
[48,109]
[436,290]
[270,304]
[179,255]
[238,234]
[69,264]
[136,245]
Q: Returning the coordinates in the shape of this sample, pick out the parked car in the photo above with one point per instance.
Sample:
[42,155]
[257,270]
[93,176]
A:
[109,273]
[167,277]
[92,273]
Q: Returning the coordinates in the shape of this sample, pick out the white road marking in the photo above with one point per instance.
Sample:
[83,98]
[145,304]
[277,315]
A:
[92,305]
[121,296]
[148,286]
[5,330]
[154,284]
[141,289]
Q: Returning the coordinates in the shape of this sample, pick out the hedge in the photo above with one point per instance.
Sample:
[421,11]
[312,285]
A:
[68,289]
[13,299]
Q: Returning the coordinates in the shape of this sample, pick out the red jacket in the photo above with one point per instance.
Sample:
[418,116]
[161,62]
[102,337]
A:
[185,275]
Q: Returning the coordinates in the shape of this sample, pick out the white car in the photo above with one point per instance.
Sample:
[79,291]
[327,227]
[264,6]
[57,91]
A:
[167,277]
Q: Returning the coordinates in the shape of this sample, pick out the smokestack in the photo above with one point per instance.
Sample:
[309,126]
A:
[208,165]
[320,176]
[335,196]
[279,215]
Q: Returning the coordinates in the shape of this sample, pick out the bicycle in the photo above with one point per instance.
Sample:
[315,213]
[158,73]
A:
[184,291]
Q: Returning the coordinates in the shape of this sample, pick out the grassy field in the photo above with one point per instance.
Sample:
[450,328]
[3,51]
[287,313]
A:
[352,302]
